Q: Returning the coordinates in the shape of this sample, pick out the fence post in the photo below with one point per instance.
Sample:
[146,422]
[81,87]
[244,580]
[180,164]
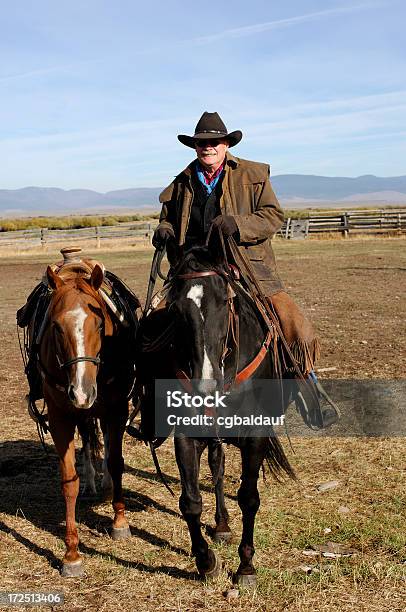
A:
[287,227]
[44,237]
[97,234]
[344,219]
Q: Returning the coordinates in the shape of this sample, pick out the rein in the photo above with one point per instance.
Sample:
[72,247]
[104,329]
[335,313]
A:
[155,272]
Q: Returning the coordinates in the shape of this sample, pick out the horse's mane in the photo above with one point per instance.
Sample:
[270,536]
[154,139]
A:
[81,284]
[199,258]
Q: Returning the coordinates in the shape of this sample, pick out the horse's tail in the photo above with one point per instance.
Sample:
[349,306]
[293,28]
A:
[89,432]
[276,459]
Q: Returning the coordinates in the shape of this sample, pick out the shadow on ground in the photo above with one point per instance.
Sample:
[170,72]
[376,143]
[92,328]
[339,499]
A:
[29,479]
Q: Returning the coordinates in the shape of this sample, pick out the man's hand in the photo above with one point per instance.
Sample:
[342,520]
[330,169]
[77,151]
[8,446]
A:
[161,235]
[226,223]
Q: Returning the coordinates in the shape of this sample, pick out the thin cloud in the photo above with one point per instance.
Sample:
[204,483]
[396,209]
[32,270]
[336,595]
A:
[281,23]
[39,72]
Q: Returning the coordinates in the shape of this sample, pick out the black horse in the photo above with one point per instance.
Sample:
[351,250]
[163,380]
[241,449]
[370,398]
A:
[219,338]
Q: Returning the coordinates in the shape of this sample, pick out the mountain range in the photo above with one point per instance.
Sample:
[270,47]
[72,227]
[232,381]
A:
[298,190]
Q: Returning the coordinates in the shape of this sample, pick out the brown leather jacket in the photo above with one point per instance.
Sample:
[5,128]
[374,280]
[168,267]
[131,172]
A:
[249,197]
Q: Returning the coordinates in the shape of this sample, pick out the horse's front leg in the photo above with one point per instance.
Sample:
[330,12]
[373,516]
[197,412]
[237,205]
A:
[253,452]
[222,532]
[62,431]
[188,452]
[115,464]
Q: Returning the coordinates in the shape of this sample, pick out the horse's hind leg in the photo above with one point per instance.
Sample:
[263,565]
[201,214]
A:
[62,431]
[222,532]
[253,452]
[88,468]
[188,452]
[107,481]
[115,464]
[89,471]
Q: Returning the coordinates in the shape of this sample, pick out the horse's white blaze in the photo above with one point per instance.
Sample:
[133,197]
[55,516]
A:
[79,316]
[207,370]
[89,470]
[195,294]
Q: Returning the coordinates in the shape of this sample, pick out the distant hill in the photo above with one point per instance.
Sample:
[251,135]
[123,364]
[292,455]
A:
[52,200]
[297,190]
[340,189]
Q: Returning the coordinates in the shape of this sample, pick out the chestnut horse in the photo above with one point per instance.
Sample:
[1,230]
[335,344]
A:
[84,361]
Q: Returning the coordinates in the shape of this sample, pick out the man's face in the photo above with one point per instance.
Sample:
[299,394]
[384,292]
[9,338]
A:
[211,152]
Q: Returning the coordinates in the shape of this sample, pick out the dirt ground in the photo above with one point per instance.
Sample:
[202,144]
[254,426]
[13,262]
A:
[353,290]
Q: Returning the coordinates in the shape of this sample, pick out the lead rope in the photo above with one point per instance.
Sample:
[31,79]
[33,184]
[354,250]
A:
[155,271]
[158,468]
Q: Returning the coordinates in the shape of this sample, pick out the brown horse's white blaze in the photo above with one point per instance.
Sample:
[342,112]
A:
[82,389]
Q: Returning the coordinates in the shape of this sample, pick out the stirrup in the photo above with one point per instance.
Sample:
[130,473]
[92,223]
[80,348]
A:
[331,414]
[319,417]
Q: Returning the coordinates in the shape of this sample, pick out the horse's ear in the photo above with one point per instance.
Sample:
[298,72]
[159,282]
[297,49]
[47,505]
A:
[54,281]
[97,277]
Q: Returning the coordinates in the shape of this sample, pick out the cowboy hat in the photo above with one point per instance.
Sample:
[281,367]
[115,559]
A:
[210,126]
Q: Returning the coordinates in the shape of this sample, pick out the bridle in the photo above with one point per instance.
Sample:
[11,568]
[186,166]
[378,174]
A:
[70,362]
[230,274]
[63,365]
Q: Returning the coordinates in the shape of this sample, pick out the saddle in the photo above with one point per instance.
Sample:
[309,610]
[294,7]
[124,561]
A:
[119,298]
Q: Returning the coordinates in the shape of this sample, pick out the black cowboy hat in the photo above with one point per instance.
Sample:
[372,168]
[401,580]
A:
[210,126]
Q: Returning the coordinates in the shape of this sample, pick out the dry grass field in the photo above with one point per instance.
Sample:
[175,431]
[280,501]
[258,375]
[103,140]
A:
[354,292]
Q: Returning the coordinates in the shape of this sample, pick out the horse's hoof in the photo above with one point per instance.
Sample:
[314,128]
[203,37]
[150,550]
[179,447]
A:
[213,573]
[120,533]
[222,537]
[72,570]
[248,581]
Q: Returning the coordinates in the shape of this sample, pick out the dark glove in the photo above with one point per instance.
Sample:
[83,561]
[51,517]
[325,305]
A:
[161,235]
[226,223]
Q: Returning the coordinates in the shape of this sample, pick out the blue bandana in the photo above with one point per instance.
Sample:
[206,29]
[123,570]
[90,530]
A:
[202,178]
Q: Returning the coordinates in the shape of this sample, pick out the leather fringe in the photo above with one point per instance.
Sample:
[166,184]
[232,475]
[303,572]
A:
[306,354]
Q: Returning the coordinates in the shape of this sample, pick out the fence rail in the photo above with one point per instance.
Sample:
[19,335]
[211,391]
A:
[140,233]
[378,221]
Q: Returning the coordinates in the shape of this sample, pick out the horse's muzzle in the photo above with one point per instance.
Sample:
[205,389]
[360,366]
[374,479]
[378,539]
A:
[82,399]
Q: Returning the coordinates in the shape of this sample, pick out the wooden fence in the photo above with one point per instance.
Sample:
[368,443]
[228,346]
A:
[346,223]
[137,233]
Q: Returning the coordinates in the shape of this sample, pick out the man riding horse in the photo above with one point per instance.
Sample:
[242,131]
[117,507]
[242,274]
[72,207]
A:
[236,196]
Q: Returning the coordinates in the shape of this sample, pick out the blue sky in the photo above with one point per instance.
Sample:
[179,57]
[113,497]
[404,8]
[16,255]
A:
[93,93]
